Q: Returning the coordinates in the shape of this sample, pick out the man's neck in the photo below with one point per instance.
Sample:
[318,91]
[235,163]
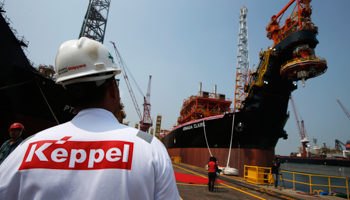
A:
[14,140]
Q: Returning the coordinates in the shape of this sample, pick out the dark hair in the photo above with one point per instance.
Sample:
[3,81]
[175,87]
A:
[85,94]
[212,159]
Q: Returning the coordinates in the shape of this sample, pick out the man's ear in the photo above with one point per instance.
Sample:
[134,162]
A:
[112,90]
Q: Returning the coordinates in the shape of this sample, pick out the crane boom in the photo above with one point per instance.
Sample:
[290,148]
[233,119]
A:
[145,120]
[302,130]
[345,111]
[121,64]
[148,95]
[296,116]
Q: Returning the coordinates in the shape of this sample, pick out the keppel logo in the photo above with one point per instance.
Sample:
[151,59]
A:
[76,67]
[78,155]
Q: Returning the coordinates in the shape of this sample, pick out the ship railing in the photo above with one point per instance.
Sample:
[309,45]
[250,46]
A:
[287,30]
[297,60]
[211,96]
[22,41]
[315,184]
[198,120]
[263,67]
[257,175]
[200,110]
[7,20]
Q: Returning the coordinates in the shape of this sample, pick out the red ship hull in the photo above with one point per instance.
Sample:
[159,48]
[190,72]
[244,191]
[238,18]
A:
[200,157]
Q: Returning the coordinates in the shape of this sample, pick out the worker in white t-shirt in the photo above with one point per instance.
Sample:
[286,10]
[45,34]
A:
[93,156]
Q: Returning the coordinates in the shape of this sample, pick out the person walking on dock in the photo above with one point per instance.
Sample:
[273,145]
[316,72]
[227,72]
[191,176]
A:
[212,173]
[93,156]
[15,130]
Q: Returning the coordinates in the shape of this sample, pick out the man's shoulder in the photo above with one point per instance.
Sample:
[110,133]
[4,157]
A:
[6,142]
[145,136]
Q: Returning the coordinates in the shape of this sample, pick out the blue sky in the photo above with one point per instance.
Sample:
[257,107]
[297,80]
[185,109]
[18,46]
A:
[184,42]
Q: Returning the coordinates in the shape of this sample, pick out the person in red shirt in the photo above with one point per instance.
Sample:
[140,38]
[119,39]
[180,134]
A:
[212,172]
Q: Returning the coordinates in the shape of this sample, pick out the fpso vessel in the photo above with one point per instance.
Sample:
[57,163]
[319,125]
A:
[207,126]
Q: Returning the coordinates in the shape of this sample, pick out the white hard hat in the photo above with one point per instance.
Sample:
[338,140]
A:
[83,60]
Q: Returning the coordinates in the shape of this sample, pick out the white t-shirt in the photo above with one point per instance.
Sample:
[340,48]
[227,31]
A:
[91,157]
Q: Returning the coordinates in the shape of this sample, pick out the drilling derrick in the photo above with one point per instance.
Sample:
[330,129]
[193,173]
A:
[242,72]
[95,21]
[146,120]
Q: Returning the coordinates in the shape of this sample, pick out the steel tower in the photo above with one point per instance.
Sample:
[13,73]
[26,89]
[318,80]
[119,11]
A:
[243,69]
[95,21]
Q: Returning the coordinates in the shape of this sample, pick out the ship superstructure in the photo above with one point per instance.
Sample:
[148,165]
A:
[203,105]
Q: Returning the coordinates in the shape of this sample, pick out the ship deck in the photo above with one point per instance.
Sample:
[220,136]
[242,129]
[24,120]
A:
[232,188]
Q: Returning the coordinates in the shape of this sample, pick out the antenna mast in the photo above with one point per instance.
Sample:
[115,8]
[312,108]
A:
[95,21]
[242,72]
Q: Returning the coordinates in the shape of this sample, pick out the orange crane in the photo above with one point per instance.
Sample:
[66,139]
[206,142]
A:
[302,130]
[304,64]
[300,17]
[145,120]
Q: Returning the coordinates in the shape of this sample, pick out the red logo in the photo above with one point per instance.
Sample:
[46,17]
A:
[76,67]
[78,155]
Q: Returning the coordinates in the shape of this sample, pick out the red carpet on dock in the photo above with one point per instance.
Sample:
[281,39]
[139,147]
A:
[187,178]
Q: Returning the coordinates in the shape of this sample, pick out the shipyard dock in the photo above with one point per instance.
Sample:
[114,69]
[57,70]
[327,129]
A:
[192,181]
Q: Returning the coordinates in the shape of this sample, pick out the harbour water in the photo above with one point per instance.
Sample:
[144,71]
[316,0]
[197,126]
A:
[314,170]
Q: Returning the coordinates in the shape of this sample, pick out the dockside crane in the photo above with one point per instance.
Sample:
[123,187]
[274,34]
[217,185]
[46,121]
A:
[95,20]
[145,120]
[338,145]
[301,129]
